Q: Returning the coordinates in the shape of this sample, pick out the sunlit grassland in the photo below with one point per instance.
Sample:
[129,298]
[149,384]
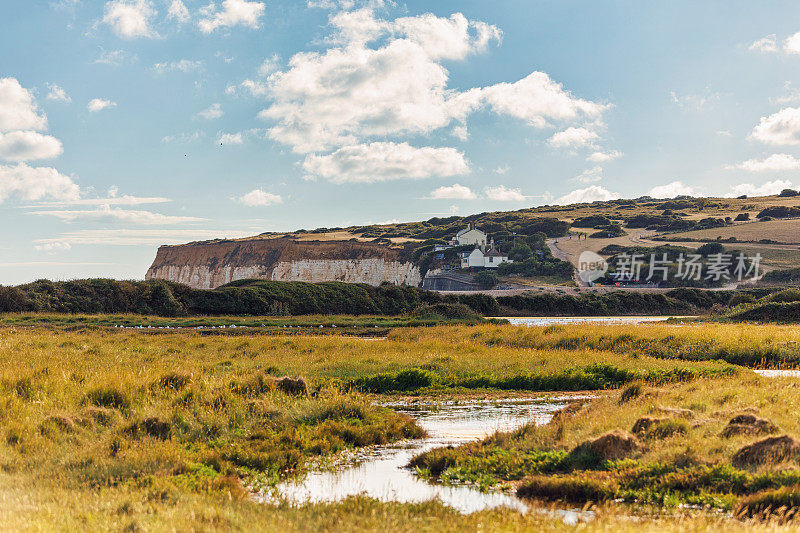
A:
[685,458]
[111,429]
[767,346]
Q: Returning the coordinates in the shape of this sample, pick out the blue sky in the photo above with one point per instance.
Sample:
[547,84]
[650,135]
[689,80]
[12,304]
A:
[127,124]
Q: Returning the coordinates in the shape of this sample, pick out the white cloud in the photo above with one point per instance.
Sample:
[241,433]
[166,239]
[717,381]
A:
[792,44]
[111,57]
[111,200]
[351,94]
[18,108]
[503,194]
[213,112]
[269,65]
[233,13]
[540,101]
[767,44]
[53,247]
[590,175]
[184,65]
[766,189]
[140,237]
[259,198]
[230,138]
[183,137]
[382,161]
[178,12]
[573,137]
[773,163]
[106,212]
[593,193]
[502,169]
[461,132]
[57,94]
[130,18]
[35,183]
[98,104]
[695,102]
[452,192]
[602,157]
[447,38]
[671,190]
[781,128]
[28,145]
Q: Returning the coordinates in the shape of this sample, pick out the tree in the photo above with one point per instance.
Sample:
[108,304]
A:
[486,279]
[520,252]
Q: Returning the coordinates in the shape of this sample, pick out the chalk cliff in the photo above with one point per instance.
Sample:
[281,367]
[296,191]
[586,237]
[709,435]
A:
[211,264]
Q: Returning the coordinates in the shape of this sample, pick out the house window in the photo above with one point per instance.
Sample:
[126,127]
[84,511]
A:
[491,259]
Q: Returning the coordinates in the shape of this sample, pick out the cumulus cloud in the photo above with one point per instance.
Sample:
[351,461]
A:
[98,104]
[18,108]
[106,212]
[57,94]
[773,163]
[113,58]
[590,175]
[602,157]
[130,18]
[501,193]
[695,102]
[767,44]
[573,137]
[502,169]
[232,13]
[259,198]
[671,190]
[28,145]
[792,44]
[212,112]
[184,65]
[35,183]
[781,128]
[230,138]
[380,79]
[590,194]
[178,12]
[382,161]
[766,189]
[452,192]
[53,247]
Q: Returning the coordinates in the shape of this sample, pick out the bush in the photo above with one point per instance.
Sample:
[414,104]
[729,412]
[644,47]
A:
[779,211]
[444,311]
[486,279]
[788,193]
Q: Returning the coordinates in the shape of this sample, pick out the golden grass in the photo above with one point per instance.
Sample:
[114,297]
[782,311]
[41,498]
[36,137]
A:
[782,231]
[67,463]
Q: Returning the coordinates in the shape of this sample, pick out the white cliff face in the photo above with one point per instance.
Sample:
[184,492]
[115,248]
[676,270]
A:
[373,271]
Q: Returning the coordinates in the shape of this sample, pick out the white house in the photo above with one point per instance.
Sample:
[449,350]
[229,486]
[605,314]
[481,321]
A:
[471,235]
[477,259]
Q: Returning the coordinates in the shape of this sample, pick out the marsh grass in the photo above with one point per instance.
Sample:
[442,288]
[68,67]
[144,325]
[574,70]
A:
[681,461]
[113,429]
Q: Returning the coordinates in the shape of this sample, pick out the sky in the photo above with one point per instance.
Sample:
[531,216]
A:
[128,124]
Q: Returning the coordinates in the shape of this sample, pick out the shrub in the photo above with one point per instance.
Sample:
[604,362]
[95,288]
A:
[577,489]
[486,279]
[108,397]
[444,311]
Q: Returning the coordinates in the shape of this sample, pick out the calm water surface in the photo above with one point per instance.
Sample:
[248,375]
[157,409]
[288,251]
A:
[381,472]
[566,320]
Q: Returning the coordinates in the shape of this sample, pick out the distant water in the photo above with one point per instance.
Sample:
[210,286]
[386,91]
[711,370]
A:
[381,472]
[567,320]
[778,373]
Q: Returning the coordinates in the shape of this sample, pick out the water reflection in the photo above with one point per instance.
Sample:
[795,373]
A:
[381,472]
[567,320]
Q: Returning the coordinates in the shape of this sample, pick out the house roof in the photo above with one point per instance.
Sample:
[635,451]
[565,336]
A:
[495,253]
